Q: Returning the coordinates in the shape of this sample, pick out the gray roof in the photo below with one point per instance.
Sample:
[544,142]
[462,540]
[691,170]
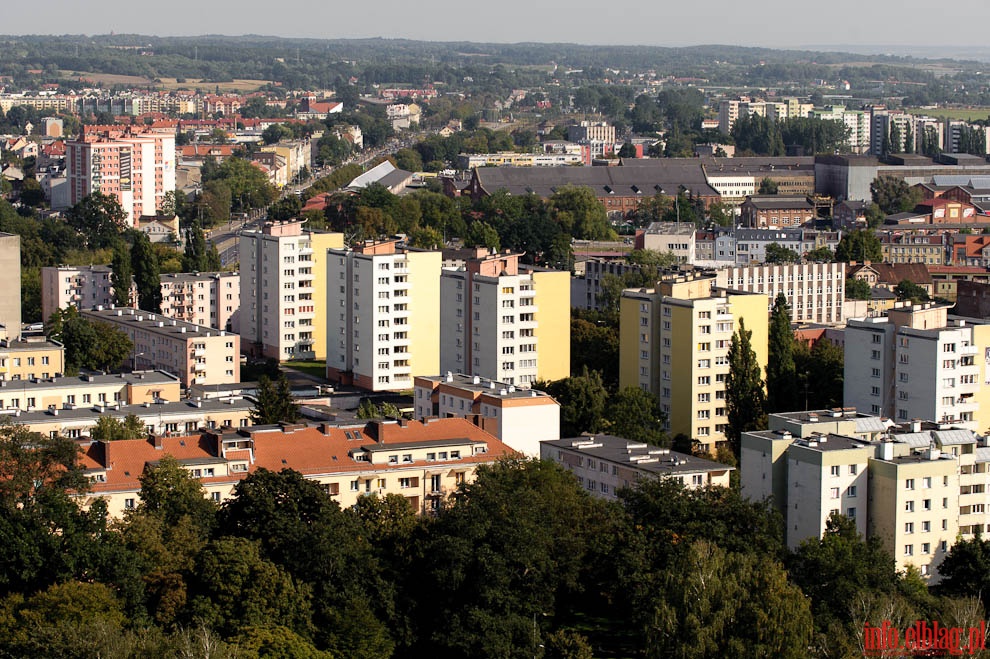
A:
[164,410]
[870,424]
[652,459]
[954,437]
[77,382]
[776,202]
[921,439]
[604,181]
[982,454]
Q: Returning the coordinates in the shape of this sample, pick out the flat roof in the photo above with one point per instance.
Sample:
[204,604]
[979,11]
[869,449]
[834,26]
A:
[163,409]
[75,382]
[638,455]
[153,322]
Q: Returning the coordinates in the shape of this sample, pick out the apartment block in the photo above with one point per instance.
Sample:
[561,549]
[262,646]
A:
[83,287]
[521,418]
[604,464]
[30,358]
[68,393]
[283,286]
[917,364]
[136,168]
[211,299]
[505,322]
[423,462]
[158,417]
[857,121]
[674,342]
[815,292]
[10,302]
[587,281]
[382,315]
[196,354]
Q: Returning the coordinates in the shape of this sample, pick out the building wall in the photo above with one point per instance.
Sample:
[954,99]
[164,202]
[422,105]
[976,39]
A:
[553,320]
[10,301]
[815,291]
[24,360]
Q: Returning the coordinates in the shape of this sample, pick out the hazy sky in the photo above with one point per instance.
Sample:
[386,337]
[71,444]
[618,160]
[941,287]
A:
[773,23]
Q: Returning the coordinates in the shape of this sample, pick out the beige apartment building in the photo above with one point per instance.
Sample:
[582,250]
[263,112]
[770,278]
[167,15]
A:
[520,418]
[604,464]
[283,288]
[161,417]
[10,301]
[82,287]
[505,322]
[423,462]
[30,358]
[674,342]
[815,292]
[69,393]
[196,354]
[382,315]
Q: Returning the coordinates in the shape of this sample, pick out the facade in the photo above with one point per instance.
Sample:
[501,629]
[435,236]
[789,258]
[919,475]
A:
[472,160]
[283,286]
[930,248]
[673,237]
[382,315]
[604,464]
[504,322]
[599,135]
[520,418]
[775,211]
[67,393]
[916,364]
[159,417]
[586,286]
[674,342]
[211,299]
[196,354]
[136,168]
[30,358]
[815,292]
[424,462]
[10,302]
[857,121]
[83,287]
[751,244]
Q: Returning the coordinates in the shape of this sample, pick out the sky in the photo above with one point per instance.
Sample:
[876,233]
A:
[771,23]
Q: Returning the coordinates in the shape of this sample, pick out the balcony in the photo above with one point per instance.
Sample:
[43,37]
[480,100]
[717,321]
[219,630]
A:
[969,350]
[199,367]
[199,352]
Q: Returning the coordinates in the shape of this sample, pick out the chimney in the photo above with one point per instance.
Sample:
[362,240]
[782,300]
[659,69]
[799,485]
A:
[155,440]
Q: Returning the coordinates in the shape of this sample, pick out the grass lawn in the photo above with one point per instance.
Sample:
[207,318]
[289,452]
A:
[315,368]
[964,114]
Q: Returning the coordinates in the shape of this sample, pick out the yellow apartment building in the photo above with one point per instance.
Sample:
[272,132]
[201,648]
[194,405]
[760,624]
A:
[30,358]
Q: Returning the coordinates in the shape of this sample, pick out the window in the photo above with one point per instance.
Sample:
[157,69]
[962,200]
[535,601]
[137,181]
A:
[853,469]
[909,550]
[926,527]
[909,527]
[909,506]
[129,504]
[926,504]
[835,492]
[355,486]
[851,491]
[909,484]
[851,513]
[834,471]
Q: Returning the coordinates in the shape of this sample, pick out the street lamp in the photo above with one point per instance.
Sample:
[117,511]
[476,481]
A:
[134,361]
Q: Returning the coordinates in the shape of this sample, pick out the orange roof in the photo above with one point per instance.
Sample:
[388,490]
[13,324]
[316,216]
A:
[307,450]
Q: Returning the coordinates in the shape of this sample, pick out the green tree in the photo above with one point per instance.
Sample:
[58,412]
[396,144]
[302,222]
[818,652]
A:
[99,218]
[965,569]
[859,246]
[896,142]
[820,373]
[567,644]
[109,429]
[274,402]
[635,414]
[857,289]
[820,255]
[745,396]
[596,345]
[908,290]
[874,215]
[275,133]
[775,253]
[275,642]
[781,371]
[628,150]
[894,195]
[580,214]
[482,234]
[195,257]
[768,186]
[90,345]
[121,274]
[147,277]
[908,139]
[170,493]
[582,402]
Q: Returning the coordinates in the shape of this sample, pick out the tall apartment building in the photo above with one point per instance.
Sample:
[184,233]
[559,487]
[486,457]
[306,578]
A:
[505,322]
[196,354]
[916,364]
[382,315]
[857,121]
[136,168]
[674,342]
[10,302]
[521,418]
[916,487]
[881,121]
[815,292]
[83,287]
[283,287]
[598,135]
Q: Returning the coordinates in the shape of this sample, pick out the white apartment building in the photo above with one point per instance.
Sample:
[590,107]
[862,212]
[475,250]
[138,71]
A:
[916,364]
[504,322]
[283,286]
[605,464]
[83,287]
[815,292]
[521,418]
[382,315]
[857,121]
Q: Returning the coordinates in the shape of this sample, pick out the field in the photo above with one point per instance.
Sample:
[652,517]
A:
[964,114]
[168,83]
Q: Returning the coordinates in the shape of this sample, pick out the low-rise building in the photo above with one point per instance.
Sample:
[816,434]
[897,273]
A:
[158,417]
[424,462]
[673,237]
[196,354]
[68,393]
[30,357]
[776,211]
[521,418]
[604,464]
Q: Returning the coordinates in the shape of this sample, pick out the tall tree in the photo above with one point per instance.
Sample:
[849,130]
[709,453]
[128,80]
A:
[194,259]
[860,245]
[274,402]
[582,402]
[768,186]
[635,414]
[745,396]
[121,275]
[908,139]
[147,275]
[99,218]
[781,371]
